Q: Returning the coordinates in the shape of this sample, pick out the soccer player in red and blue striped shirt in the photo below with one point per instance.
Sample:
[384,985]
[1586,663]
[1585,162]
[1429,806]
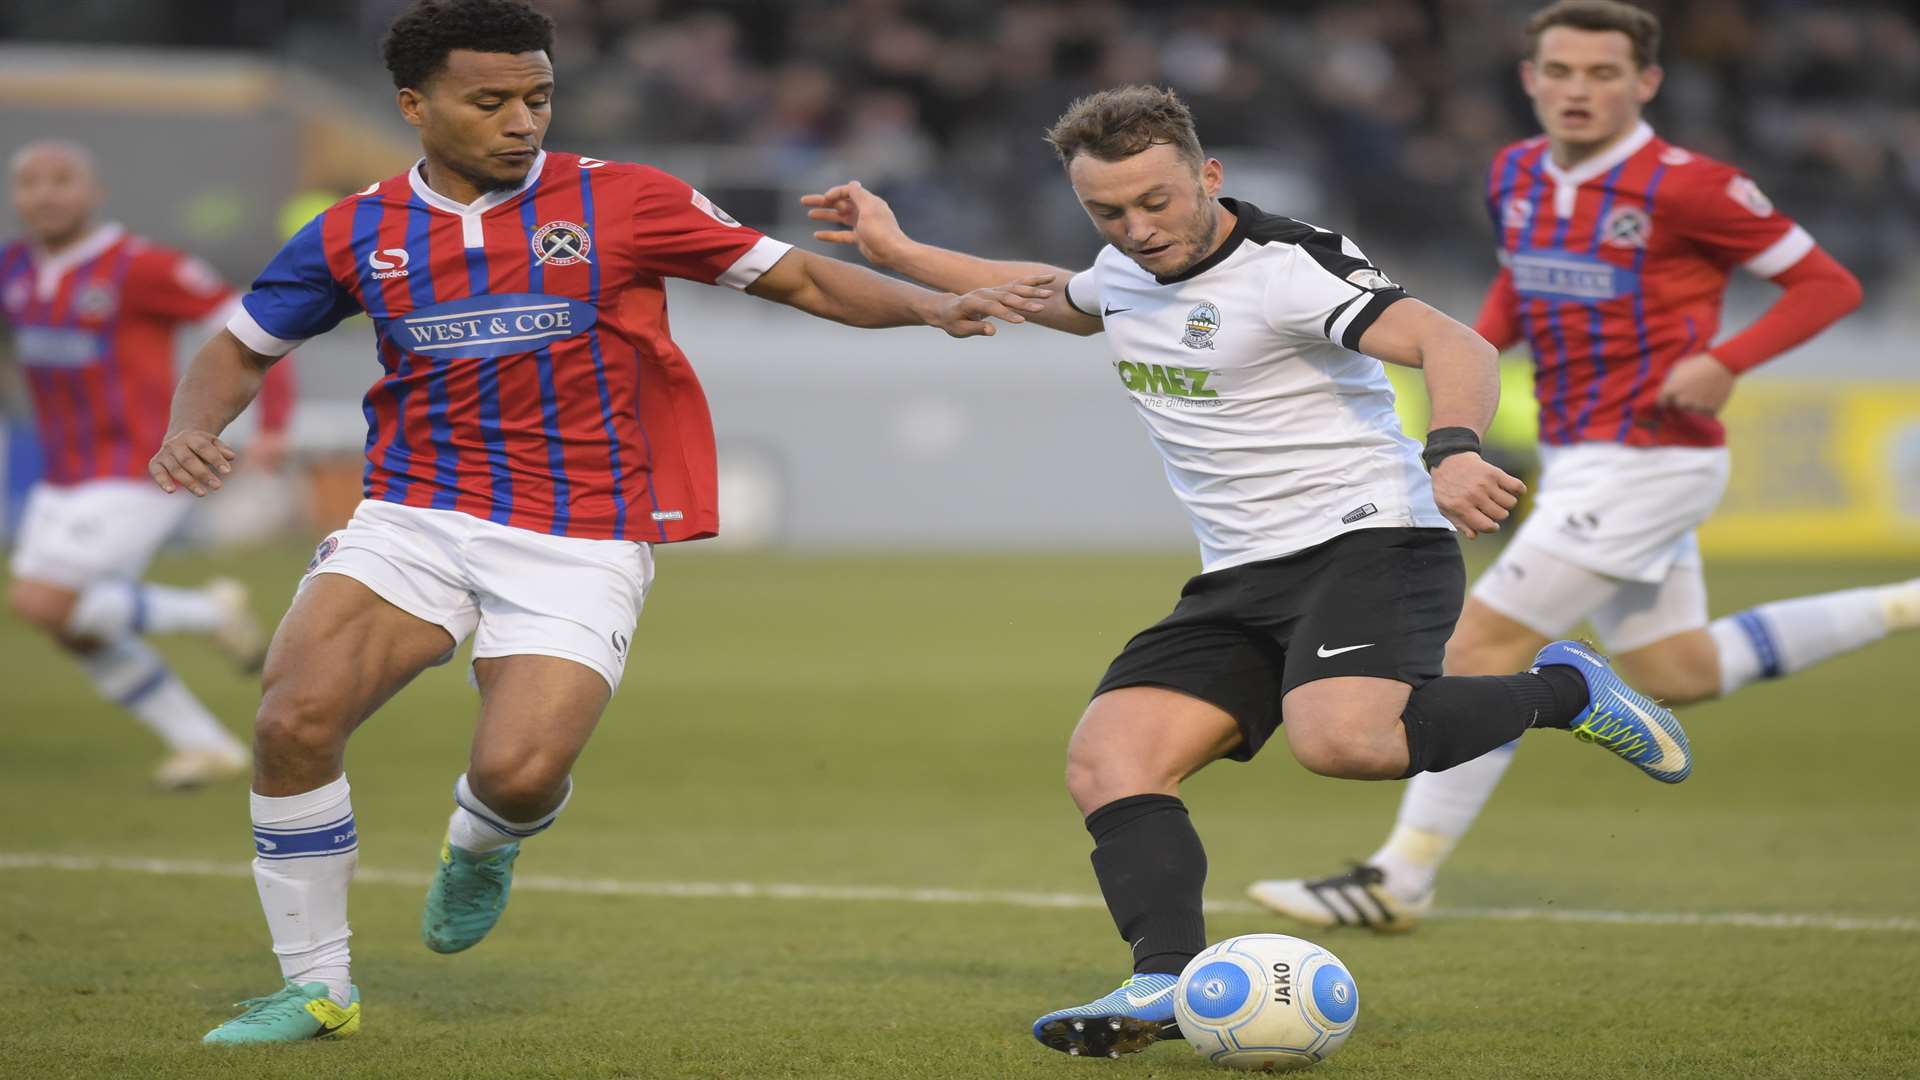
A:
[1615,248]
[532,431]
[93,309]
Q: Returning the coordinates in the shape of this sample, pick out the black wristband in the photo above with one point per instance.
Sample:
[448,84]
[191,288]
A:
[1443,443]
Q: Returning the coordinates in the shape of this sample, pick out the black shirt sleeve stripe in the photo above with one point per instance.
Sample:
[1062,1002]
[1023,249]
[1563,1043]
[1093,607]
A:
[1333,316]
[1326,249]
[1375,303]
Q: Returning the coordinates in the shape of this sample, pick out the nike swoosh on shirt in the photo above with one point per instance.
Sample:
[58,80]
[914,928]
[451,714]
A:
[1325,652]
[1114,311]
[1672,758]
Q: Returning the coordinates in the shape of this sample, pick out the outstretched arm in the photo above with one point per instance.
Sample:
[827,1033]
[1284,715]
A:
[1463,382]
[224,377]
[866,221]
[856,296]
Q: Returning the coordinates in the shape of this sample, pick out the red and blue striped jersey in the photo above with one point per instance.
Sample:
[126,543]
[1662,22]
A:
[527,375]
[1615,270]
[93,327]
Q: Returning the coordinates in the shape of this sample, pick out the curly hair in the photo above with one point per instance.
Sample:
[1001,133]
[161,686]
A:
[1116,124]
[417,44]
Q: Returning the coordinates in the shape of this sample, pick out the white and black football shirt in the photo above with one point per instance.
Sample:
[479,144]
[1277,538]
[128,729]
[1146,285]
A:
[1277,434]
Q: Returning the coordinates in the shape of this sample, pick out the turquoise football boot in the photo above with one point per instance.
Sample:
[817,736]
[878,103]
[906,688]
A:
[1620,718]
[468,894]
[295,1014]
[1126,1021]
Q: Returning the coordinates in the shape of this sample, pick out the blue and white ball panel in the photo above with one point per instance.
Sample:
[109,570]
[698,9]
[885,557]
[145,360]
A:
[1218,990]
[1334,993]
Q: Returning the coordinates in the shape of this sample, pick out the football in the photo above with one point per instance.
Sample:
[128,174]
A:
[1266,1002]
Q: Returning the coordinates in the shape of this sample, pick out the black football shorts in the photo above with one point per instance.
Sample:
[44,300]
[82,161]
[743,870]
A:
[1377,602]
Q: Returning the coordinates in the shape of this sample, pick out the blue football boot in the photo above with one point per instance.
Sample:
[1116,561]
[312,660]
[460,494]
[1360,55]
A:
[1126,1021]
[1620,718]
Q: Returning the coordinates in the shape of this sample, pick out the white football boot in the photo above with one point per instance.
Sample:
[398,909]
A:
[239,634]
[200,766]
[1358,897]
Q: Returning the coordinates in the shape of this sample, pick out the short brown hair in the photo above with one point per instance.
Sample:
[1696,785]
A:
[1641,26]
[1116,124]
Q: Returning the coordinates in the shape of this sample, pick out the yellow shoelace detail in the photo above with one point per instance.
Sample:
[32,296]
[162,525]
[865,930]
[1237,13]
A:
[1615,734]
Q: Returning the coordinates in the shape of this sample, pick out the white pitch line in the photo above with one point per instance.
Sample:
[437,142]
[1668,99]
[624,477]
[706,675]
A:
[747,890]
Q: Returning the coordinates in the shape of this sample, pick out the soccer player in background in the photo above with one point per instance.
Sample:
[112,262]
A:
[1615,247]
[533,432]
[1330,578]
[93,310]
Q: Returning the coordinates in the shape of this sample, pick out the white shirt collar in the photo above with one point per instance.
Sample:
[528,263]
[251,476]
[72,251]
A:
[1640,136]
[480,205]
[98,239]
[50,268]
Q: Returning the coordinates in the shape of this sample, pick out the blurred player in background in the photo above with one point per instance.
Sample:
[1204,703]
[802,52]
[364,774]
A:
[93,310]
[1251,345]
[534,431]
[1615,247]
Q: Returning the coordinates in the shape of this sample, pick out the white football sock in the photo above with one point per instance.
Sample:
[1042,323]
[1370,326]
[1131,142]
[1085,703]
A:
[475,827]
[1786,636]
[110,610]
[305,850]
[130,673]
[1435,812]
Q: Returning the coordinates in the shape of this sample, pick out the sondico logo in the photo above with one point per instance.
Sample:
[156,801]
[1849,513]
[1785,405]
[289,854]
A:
[389,263]
[1165,381]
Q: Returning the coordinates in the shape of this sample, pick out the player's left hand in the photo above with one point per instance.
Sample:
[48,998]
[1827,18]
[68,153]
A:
[1699,384]
[969,314]
[194,460]
[1475,494]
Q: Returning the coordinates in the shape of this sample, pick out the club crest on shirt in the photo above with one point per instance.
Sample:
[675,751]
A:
[95,300]
[1518,212]
[561,243]
[1626,227]
[1202,323]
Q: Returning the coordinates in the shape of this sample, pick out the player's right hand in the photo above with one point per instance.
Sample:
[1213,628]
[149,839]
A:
[864,218]
[968,314]
[193,460]
[1475,494]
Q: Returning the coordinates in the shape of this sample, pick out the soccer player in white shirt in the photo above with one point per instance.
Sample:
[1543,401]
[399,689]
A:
[1330,579]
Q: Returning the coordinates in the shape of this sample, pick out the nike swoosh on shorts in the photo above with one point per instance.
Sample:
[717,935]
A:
[1325,652]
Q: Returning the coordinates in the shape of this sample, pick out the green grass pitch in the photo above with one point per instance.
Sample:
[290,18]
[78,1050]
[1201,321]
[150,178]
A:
[898,723]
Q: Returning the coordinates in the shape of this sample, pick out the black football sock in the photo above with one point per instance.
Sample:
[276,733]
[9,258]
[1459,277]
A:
[1151,869]
[1456,718]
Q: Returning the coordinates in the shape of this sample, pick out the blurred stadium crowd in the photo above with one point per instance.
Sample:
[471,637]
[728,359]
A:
[1377,117]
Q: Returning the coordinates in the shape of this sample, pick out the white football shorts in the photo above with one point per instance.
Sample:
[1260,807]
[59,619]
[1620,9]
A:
[75,535]
[1611,540]
[517,592]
